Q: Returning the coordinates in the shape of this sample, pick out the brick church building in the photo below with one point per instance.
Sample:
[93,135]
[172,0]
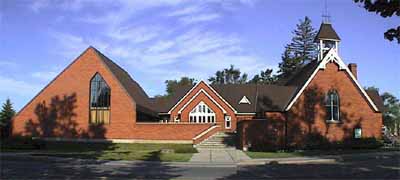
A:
[94,99]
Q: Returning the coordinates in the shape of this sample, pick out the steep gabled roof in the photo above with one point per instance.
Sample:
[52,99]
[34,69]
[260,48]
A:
[374,95]
[165,103]
[262,97]
[331,56]
[326,31]
[134,90]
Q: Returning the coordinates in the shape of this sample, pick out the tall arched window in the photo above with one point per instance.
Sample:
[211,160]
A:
[202,114]
[332,104]
[99,100]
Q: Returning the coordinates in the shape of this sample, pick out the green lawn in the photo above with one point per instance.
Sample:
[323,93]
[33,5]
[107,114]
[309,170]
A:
[109,151]
[257,155]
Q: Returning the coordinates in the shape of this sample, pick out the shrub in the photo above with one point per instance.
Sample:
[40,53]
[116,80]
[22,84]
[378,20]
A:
[185,150]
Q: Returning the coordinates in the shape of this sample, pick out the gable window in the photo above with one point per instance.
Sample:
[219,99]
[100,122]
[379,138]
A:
[202,114]
[332,105]
[99,100]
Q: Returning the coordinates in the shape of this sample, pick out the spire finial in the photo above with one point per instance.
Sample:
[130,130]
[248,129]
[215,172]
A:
[325,16]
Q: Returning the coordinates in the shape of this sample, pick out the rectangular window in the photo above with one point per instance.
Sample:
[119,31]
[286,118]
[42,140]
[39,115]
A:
[227,122]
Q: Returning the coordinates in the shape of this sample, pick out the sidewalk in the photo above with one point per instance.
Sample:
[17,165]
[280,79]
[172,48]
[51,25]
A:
[227,155]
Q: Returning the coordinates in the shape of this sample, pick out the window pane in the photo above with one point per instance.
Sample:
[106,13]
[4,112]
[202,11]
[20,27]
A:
[99,100]
[335,113]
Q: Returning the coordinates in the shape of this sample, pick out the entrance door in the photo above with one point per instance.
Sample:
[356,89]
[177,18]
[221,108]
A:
[228,122]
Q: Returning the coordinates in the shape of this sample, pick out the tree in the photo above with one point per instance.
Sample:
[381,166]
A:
[303,44]
[6,115]
[301,50]
[290,63]
[173,84]
[228,76]
[265,77]
[391,115]
[385,8]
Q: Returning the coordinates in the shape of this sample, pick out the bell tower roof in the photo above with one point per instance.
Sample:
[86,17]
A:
[326,32]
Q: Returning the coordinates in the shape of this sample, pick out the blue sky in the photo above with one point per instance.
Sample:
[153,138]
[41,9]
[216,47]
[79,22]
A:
[156,40]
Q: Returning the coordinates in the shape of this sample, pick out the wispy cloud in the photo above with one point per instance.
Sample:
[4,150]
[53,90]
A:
[199,18]
[46,76]
[17,87]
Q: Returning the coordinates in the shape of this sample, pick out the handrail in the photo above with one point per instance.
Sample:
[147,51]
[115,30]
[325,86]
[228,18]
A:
[205,132]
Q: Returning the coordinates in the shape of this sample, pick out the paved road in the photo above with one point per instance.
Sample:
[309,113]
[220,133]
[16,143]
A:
[353,167]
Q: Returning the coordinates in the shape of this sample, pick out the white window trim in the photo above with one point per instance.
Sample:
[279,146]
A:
[197,94]
[206,115]
[244,100]
[194,87]
[332,56]
[331,109]
[230,122]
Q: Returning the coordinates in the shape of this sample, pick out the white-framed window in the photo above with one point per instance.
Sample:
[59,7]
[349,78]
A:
[357,133]
[332,106]
[228,123]
[202,114]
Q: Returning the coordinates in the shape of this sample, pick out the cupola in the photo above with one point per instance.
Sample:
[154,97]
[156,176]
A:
[326,39]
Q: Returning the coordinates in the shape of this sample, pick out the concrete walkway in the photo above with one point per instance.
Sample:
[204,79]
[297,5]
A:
[219,156]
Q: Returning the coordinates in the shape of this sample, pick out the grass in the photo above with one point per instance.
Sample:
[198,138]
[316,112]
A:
[257,155]
[108,151]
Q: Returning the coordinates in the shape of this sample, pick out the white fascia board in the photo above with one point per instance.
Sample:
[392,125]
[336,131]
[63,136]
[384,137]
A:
[332,56]
[197,94]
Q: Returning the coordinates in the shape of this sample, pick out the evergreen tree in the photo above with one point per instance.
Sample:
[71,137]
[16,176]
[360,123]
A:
[6,115]
[265,77]
[290,63]
[228,76]
[300,51]
[303,44]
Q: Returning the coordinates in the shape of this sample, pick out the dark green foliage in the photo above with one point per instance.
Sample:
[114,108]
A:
[290,63]
[265,77]
[391,115]
[185,149]
[300,51]
[385,8]
[351,143]
[228,76]
[173,84]
[303,44]
[6,115]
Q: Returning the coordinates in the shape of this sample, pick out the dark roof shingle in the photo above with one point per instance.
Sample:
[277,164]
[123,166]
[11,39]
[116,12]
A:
[326,31]
[131,86]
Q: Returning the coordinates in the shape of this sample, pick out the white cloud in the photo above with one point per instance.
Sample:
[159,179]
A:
[186,11]
[8,64]
[16,87]
[196,18]
[38,5]
[135,34]
[45,75]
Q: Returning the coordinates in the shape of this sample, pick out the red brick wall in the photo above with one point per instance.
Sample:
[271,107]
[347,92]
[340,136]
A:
[202,97]
[72,85]
[62,109]
[307,116]
[244,117]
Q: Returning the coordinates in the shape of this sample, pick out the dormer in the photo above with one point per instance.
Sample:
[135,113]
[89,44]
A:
[326,39]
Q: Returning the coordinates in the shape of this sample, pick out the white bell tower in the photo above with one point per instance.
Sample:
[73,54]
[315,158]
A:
[327,39]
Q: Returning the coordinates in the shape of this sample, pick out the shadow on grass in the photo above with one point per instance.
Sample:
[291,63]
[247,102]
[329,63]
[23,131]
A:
[360,167]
